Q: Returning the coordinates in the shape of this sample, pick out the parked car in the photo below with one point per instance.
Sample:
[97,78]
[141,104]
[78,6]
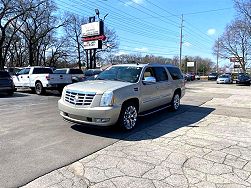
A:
[77,75]
[197,77]
[91,74]
[6,83]
[243,79]
[121,93]
[188,77]
[40,79]
[224,79]
[192,75]
[213,76]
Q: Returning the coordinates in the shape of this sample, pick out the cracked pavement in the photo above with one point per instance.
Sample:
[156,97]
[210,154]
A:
[194,149]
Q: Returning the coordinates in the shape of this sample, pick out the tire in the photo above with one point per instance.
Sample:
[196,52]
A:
[175,104]
[39,88]
[10,93]
[128,116]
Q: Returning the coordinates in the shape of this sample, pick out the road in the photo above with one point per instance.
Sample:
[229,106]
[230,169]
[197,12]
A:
[35,140]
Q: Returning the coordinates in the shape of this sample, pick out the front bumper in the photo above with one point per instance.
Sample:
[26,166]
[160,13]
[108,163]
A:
[99,116]
[54,86]
[223,81]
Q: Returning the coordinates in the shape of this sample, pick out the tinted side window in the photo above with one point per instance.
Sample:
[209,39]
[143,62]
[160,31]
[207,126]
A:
[59,71]
[42,71]
[160,74]
[24,71]
[75,71]
[148,72]
[4,74]
[175,73]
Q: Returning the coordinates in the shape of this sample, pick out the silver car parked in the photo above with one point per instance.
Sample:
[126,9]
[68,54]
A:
[224,79]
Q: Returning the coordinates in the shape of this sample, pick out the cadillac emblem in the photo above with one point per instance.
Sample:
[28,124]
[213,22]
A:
[76,99]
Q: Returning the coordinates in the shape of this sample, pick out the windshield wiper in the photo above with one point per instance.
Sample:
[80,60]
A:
[117,79]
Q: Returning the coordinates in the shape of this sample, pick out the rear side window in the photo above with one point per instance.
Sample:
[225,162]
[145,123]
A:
[60,71]
[75,71]
[4,74]
[175,73]
[160,74]
[42,71]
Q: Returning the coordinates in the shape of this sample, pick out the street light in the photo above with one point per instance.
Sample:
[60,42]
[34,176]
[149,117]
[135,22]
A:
[97,12]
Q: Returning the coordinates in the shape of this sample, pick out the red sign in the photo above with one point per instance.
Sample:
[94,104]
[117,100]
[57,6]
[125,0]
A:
[235,59]
[101,37]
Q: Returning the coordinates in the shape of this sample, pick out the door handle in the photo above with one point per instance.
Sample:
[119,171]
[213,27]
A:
[21,77]
[28,77]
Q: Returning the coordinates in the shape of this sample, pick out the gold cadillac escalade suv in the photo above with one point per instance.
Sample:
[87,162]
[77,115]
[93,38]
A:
[122,93]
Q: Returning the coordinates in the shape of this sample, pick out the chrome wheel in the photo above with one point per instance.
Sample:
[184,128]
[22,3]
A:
[130,117]
[176,102]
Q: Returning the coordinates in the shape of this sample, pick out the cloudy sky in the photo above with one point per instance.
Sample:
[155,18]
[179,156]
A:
[153,26]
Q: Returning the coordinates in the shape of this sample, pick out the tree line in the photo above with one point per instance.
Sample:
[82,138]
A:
[32,33]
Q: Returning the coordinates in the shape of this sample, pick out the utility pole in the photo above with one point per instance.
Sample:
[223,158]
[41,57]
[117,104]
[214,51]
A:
[181,39]
[217,60]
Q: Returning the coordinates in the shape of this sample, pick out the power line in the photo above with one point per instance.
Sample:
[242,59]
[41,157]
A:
[148,24]
[161,16]
[126,27]
[146,52]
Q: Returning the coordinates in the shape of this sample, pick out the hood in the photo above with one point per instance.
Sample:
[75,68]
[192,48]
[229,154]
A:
[98,86]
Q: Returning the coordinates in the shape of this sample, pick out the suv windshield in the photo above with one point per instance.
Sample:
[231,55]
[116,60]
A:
[121,73]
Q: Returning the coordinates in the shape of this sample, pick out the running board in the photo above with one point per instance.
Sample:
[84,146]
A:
[154,111]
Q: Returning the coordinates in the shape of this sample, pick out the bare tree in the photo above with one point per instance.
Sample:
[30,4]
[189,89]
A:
[10,11]
[243,7]
[73,34]
[235,42]
[38,24]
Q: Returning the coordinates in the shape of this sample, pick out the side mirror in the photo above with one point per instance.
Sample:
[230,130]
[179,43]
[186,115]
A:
[149,80]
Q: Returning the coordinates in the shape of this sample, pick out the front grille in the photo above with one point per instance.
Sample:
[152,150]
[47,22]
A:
[79,98]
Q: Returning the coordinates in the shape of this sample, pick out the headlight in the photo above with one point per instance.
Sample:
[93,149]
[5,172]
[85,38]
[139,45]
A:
[107,99]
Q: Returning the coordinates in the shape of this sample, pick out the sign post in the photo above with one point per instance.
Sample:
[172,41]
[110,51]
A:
[92,36]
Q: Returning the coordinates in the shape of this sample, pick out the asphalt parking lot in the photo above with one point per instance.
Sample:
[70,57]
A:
[207,143]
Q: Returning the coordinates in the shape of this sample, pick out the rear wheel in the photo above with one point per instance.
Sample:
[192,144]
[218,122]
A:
[175,104]
[128,116]
[39,88]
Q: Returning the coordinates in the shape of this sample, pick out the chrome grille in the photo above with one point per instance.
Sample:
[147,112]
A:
[79,98]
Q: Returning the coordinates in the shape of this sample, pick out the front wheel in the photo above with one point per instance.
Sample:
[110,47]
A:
[175,104]
[128,116]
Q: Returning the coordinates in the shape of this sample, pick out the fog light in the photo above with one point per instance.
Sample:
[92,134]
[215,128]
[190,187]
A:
[102,120]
